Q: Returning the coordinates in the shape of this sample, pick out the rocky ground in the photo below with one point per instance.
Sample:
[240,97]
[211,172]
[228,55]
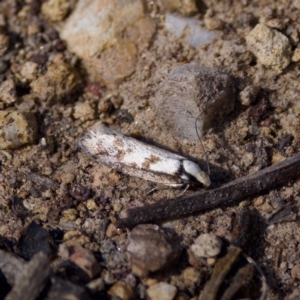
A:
[66,65]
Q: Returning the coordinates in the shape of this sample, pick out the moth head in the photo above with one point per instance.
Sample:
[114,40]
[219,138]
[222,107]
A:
[194,170]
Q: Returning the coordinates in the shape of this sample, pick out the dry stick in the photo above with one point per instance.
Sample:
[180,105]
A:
[236,190]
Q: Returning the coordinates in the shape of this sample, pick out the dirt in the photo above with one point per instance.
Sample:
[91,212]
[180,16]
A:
[68,191]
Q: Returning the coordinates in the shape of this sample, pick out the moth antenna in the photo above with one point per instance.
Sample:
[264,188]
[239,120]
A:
[206,157]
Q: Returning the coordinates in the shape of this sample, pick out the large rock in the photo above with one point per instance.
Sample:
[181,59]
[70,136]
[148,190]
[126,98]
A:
[108,35]
[188,91]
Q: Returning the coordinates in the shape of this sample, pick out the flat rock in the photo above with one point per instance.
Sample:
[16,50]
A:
[188,91]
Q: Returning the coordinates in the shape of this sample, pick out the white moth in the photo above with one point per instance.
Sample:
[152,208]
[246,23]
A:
[135,158]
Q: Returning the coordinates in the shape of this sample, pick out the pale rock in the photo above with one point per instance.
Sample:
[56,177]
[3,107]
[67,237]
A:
[271,47]
[206,245]
[91,204]
[161,291]
[122,290]
[83,111]
[8,92]
[111,230]
[248,95]
[55,10]
[70,214]
[29,70]
[150,249]
[185,7]
[4,42]
[108,35]
[73,237]
[188,91]
[17,129]
[296,55]
[60,80]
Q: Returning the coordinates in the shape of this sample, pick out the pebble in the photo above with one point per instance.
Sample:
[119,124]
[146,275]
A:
[73,237]
[185,7]
[8,92]
[70,214]
[206,245]
[150,249]
[59,80]
[296,55]
[91,204]
[83,258]
[29,71]
[122,290]
[83,111]
[248,95]
[17,129]
[189,90]
[271,47]
[295,272]
[191,277]
[55,10]
[111,230]
[161,291]
[108,36]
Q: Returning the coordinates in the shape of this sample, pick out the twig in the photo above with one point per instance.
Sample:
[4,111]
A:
[277,174]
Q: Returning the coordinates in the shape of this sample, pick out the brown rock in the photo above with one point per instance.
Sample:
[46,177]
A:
[122,290]
[149,249]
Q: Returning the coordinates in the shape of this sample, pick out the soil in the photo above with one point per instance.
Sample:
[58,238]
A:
[52,181]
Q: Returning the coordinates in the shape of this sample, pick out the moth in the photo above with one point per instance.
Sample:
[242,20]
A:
[135,158]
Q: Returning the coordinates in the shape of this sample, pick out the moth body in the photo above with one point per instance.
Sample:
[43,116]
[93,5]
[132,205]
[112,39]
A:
[133,157]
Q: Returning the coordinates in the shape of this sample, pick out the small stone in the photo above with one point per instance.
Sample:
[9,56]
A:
[55,10]
[206,245]
[185,7]
[75,237]
[118,207]
[8,92]
[271,47]
[247,159]
[79,192]
[258,201]
[211,261]
[266,207]
[59,80]
[29,71]
[85,260]
[111,230]
[17,129]
[96,285]
[248,94]
[191,277]
[161,291]
[150,249]
[67,177]
[91,204]
[70,214]
[122,290]
[4,42]
[83,111]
